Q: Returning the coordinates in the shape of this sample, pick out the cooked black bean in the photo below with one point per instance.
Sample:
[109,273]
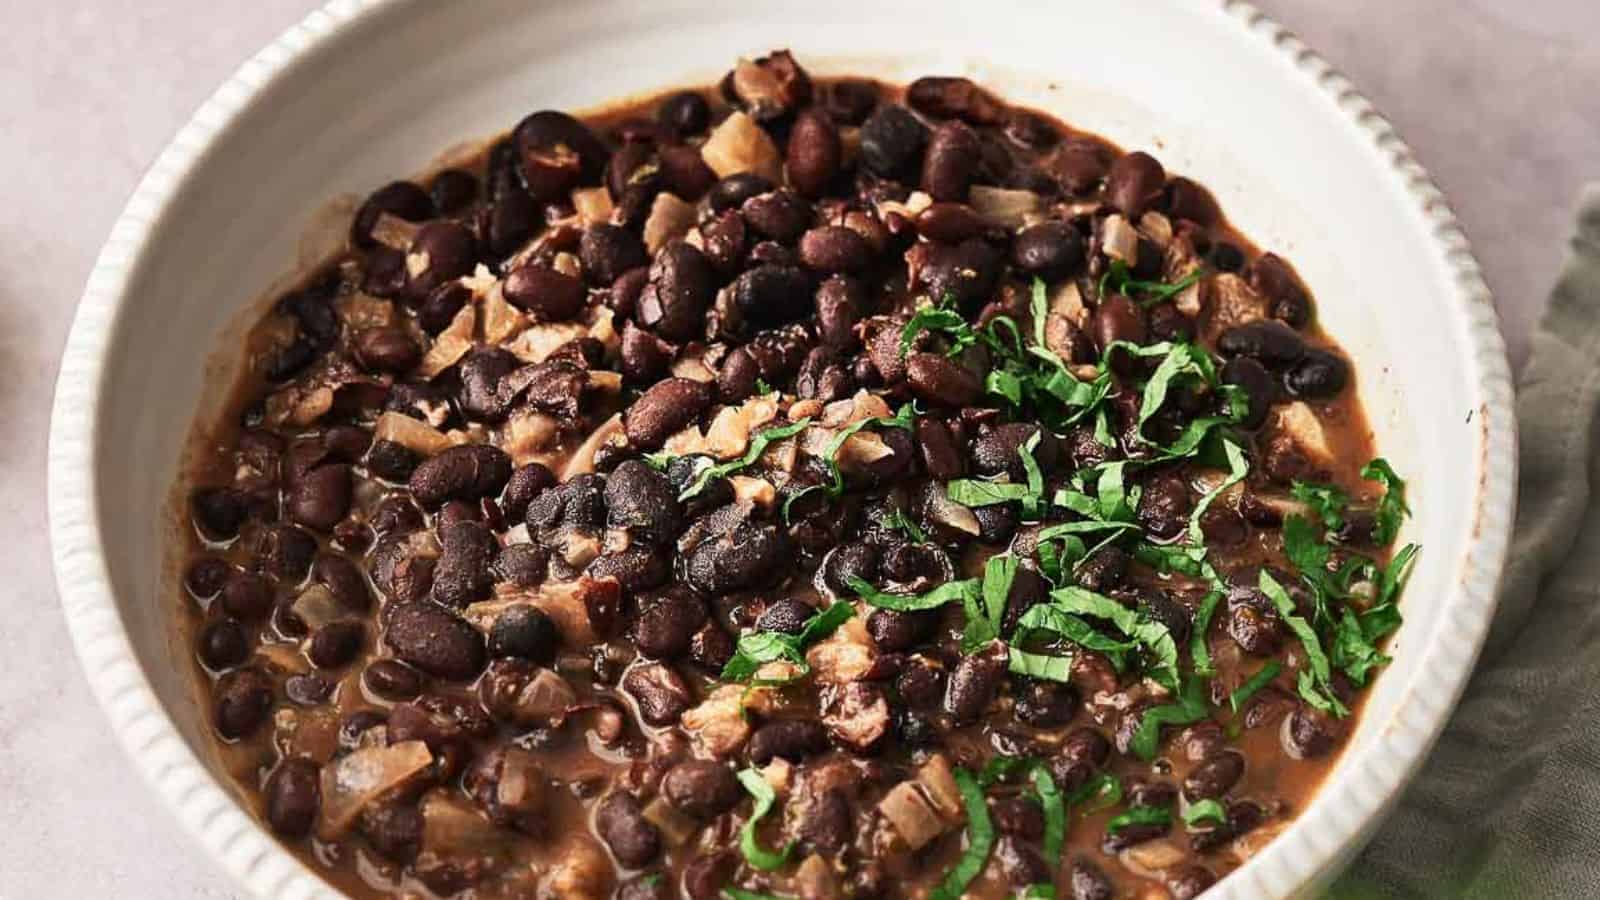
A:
[293,793]
[336,644]
[1319,375]
[444,251]
[1087,882]
[895,631]
[1051,250]
[549,295]
[242,700]
[641,498]
[222,645]
[1272,343]
[701,788]
[834,248]
[954,98]
[745,558]
[1256,383]
[685,112]
[790,739]
[555,152]
[246,596]
[973,686]
[622,825]
[667,626]
[1253,623]
[965,273]
[785,616]
[940,380]
[391,461]
[1214,777]
[666,407]
[401,199]
[1189,881]
[1164,506]
[660,691]
[467,472]
[771,295]
[1134,183]
[462,574]
[815,153]
[998,451]
[1046,704]
[673,303]
[392,679]
[435,641]
[781,215]
[1276,279]
[525,632]
[951,161]
[219,511]
[891,140]
[321,497]
[1310,733]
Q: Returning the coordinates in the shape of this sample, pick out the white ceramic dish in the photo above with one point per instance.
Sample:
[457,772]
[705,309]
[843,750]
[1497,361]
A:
[361,91]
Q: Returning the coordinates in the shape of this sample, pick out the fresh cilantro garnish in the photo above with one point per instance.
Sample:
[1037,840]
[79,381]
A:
[943,319]
[1256,682]
[1238,468]
[986,608]
[1325,500]
[749,844]
[762,387]
[1040,665]
[1055,813]
[980,840]
[1205,811]
[830,454]
[1151,636]
[973,493]
[1392,508]
[1103,788]
[1049,619]
[897,520]
[1199,650]
[761,647]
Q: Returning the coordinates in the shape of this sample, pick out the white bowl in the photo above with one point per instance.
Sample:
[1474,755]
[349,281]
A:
[362,91]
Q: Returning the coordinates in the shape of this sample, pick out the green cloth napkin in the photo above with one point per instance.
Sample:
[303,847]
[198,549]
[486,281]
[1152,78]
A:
[1508,804]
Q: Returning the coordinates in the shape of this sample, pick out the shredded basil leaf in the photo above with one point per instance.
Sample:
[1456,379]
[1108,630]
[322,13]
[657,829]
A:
[1199,650]
[1032,501]
[980,840]
[1118,279]
[1315,683]
[1238,468]
[1055,813]
[948,592]
[1139,815]
[1150,634]
[1256,682]
[1103,788]
[733,893]
[1351,651]
[972,493]
[901,522]
[758,446]
[1051,619]
[986,608]
[749,844]
[1190,707]
[941,318]
[1040,665]
[1205,811]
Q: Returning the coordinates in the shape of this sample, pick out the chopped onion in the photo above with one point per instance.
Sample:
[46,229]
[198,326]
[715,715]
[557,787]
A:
[356,779]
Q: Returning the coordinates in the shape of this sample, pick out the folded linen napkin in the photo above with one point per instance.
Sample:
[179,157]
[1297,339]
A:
[1508,804]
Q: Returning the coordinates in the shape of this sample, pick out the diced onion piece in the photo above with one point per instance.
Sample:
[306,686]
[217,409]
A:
[844,656]
[528,435]
[755,491]
[394,232]
[415,435]
[675,826]
[1156,227]
[316,606]
[740,145]
[451,344]
[567,264]
[693,368]
[718,722]
[942,509]
[592,204]
[670,218]
[361,311]
[1229,301]
[352,781]
[501,320]
[582,460]
[815,879]
[1119,240]
[583,873]
[1004,207]
[535,343]
[911,815]
[603,327]
[939,781]
[452,827]
[1296,422]
[1149,858]
[1067,302]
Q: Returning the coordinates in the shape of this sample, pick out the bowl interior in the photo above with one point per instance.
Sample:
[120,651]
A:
[1193,85]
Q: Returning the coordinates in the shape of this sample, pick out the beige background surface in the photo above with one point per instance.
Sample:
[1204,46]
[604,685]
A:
[1498,98]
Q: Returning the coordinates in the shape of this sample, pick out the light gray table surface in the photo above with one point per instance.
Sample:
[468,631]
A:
[1497,97]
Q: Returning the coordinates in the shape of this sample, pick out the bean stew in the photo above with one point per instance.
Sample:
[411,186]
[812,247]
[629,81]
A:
[797,487]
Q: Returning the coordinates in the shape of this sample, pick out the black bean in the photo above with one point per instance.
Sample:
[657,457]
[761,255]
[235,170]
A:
[644,356]
[1189,881]
[781,215]
[937,379]
[550,296]
[608,250]
[393,830]
[321,497]
[965,274]
[1017,815]
[839,301]
[435,641]
[555,152]
[1311,733]
[1276,280]
[949,223]
[785,616]
[973,686]
[666,628]
[242,698]
[1253,623]
[685,112]
[293,794]
[206,577]
[1021,864]
[859,560]
[791,739]
[246,596]
[834,248]
[401,199]
[745,558]
[891,140]
[1134,183]
[1163,609]
[998,451]
[660,691]
[1050,250]
[674,302]
[894,631]
[851,102]
[1271,342]
[941,457]
[1167,323]
[701,788]
[467,472]
[954,98]
[621,823]
[222,645]
[951,161]
[391,462]
[576,503]
[823,376]
[453,190]
[513,219]
[462,574]
[668,406]
[640,498]
[1319,375]
[711,647]
[772,295]
[1118,319]
[524,632]
[392,679]
[447,251]
[1046,704]
[1258,386]
[335,644]
[1164,505]
[815,153]
[387,348]
[219,511]
[733,191]
[1214,777]
[1103,570]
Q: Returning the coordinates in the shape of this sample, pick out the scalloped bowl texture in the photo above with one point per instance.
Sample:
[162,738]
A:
[362,91]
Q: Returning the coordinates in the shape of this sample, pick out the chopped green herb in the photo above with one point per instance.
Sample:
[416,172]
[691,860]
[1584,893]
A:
[761,647]
[830,454]
[1048,618]
[1000,769]
[986,608]
[1055,813]
[1150,634]
[1256,682]
[1392,508]
[1351,651]
[973,493]
[1139,815]
[1199,651]
[980,840]
[1118,279]
[1238,468]
[749,844]
[762,387]
[1103,788]
[733,893]
[1326,500]
[1038,892]
[1190,707]
[899,521]
[1315,683]
[658,460]
[1032,501]
[942,318]
[948,592]
[758,446]
[1205,811]
[1040,665]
